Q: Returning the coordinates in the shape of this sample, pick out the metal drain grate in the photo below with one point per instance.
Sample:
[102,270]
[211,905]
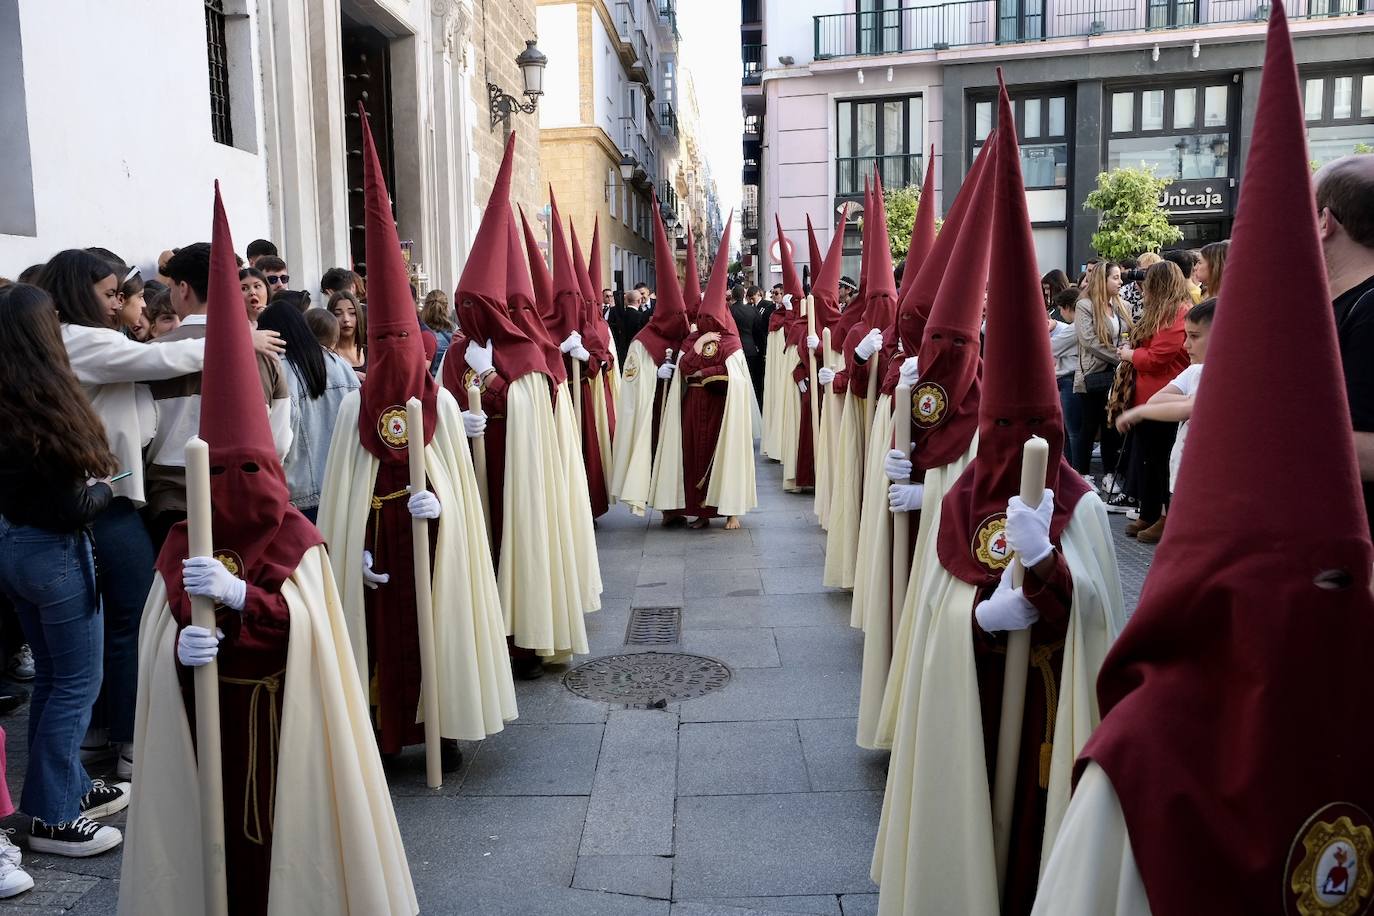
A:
[654,626]
[651,679]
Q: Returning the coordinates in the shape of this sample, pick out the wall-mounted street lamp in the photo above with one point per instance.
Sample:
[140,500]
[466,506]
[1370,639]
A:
[531,62]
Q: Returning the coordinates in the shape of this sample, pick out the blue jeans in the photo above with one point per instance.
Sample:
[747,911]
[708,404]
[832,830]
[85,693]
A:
[124,561]
[51,580]
[1073,413]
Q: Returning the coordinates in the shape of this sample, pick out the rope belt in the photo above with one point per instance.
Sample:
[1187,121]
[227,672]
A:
[377,502]
[703,382]
[1042,659]
[252,810]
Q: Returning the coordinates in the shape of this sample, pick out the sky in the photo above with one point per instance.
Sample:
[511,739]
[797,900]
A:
[710,50]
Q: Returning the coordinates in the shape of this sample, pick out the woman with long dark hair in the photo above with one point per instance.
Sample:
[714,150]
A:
[1210,266]
[352,345]
[1051,285]
[1157,355]
[55,469]
[319,380]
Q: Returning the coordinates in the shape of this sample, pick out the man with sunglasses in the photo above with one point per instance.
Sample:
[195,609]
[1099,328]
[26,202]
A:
[274,270]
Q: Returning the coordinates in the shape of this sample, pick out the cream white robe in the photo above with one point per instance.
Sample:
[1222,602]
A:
[913,622]
[602,414]
[773,385]
[731,489]
[633,459]
[1091,870]
[336,848]
[476,692]
[832,407]
[846,492]
[573,505]
[934,851]
[873,554]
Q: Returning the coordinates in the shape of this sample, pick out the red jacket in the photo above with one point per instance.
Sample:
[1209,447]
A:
[1159,359]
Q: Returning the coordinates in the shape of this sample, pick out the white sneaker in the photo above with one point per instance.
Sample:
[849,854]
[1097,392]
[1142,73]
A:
[1090,480]
[124,766]
[13,879]
[1108,483]
[1133,515]
[21,667]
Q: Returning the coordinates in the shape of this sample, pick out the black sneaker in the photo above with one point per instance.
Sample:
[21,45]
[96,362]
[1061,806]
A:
[104,799]
[1120,502]
[450,757]
[77,839]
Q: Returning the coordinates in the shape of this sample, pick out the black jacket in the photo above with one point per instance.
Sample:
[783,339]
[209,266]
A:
[744,315]
[37,497]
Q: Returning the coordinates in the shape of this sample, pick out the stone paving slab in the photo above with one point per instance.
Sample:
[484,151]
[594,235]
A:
[782,580]
[737,648]
[827,645]
[834,763]
[859,904]
[536,760]
[767,611]
[817,905]
[756,694]
[740,758]
[775,845]
[631,808]
[639,876]
[725,584]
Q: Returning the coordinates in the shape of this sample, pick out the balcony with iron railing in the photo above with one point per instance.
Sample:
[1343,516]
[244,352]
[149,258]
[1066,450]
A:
[667,197]
[625,20]
[667,118]
[752,55]
[750,11]
[632,141]
[898,171]
[667,18]
[964,23]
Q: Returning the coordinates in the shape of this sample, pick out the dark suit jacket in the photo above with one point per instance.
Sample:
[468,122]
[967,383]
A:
[744,316]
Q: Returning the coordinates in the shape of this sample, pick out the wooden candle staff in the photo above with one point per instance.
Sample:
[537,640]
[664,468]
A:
[1033,462]
[200,543]
[810,304]
[424,599]
[901,521]
[479,457]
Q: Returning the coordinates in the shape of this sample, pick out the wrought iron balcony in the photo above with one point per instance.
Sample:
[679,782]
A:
[752,56]
[964,23]
[667,118]
[898,171]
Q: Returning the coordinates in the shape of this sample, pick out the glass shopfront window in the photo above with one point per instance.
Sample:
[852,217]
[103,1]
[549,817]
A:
[1042,124]
[1339,108]
[885,133]
[1181,131]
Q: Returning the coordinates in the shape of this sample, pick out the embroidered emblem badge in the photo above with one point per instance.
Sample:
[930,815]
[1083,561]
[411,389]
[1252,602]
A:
[469,379]
[711,349]
[393,427]
[928,404]
[631,370]
[990,543]
[1331,864]
[231,561]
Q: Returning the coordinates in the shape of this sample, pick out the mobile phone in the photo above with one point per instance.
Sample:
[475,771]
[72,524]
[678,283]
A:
[121,476]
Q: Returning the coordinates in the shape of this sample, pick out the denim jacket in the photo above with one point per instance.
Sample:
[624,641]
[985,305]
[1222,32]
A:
[312,423]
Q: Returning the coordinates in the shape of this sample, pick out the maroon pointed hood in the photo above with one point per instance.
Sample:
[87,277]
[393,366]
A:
[714,314]
[594,320]
[596,335]
[397,369]
[691,281]
[944,409]
[1019,397]
[1233,729]
[813,250]
[567,291]
[533,324]
[791,280]
[922,230]
[882,287]
[825,287]
[667,329]
[257,533]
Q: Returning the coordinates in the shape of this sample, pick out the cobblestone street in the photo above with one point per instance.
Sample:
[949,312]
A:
[751,800]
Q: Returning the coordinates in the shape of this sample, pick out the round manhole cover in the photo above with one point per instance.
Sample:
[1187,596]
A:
[647,678]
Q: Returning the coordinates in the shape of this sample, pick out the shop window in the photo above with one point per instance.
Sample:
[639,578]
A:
[1187,149]
[1123,112]
[1042,126]
[1339,108]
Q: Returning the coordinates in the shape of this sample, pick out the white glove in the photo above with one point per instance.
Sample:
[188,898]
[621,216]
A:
[423,505]
[1028,530]
[908,372]
[787,302]
[1007,609]
[572,343]
[474,424]
[579,353]
[897,466]
[666,371]
[906,497]
[871,344]
[812,341]
[197,646]
[478,358]
[206,577]
[825,375]
[801,386]
[372,579]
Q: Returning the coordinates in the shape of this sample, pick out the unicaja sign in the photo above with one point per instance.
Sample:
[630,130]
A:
[1195,197]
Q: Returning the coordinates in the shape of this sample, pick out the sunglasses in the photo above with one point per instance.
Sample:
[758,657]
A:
[278,279]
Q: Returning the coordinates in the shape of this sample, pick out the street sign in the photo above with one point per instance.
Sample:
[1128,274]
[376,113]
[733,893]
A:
[775,253]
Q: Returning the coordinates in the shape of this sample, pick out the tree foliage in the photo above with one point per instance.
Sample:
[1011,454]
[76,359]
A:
[901,205]
[1132,218]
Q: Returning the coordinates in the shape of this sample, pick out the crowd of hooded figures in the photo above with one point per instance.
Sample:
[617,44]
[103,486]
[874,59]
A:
[268,554]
